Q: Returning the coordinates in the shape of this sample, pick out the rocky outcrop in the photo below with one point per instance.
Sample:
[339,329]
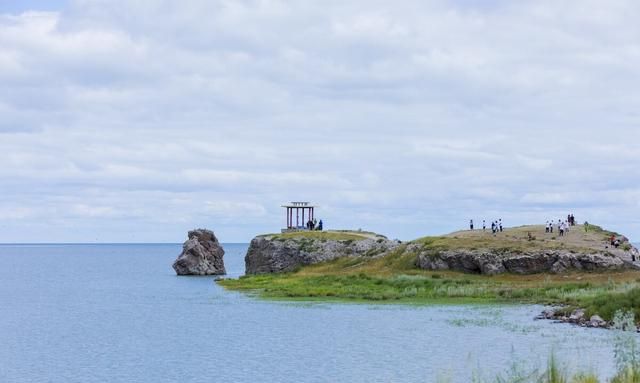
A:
[494,262]
[274,254]
[577,317]
[201,255]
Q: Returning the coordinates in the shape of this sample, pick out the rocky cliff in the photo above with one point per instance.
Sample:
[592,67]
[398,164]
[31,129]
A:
[525,250]
[521,250]
[201,255]
[530,262]
[279,253]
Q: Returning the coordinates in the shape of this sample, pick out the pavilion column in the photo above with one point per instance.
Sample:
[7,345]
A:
[297,217]
[303,221]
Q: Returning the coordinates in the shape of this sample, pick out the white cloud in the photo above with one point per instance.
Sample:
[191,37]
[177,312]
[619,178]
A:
[408,118]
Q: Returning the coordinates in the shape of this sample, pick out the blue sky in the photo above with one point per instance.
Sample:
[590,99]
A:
[19,6]
[137,121]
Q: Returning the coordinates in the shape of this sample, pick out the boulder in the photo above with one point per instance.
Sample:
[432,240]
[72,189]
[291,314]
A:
[597,321]
[201,255]
[577,316]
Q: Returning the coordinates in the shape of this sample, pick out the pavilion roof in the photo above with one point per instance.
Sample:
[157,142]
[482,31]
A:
[298,204]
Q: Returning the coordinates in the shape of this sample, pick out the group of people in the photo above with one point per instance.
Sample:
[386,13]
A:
[562,226]
[314,225]
[496,226]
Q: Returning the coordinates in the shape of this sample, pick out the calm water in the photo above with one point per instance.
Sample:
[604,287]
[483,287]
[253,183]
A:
[118,313]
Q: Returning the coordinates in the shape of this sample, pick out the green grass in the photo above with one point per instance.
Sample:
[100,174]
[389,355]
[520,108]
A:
[597,297]
[626,355]
[320,235]
[516,240]
[395,278]
[607,304]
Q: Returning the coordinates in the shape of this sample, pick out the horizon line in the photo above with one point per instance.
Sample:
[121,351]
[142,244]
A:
[104,243]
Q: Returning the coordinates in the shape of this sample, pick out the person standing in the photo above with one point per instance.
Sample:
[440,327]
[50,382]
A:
[500,224]
[484,226]
[561,228]
[471,224]
[493,227]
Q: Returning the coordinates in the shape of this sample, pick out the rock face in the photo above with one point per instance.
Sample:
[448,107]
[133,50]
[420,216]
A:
[201,255]
[273,255]
[493,262]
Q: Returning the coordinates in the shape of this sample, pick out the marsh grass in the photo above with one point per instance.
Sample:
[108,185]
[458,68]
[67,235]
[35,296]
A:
[356,282]
[603,298]
[394,278]
[626,354]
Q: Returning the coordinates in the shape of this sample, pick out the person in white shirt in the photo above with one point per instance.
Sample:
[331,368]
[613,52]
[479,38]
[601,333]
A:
[560,228]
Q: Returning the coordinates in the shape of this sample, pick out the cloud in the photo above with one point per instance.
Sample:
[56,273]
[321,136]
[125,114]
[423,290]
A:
[140,120]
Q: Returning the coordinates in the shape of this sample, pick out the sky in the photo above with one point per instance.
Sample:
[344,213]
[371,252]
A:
[135,121]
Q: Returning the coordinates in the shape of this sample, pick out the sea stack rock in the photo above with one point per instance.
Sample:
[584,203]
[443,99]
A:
[201,255]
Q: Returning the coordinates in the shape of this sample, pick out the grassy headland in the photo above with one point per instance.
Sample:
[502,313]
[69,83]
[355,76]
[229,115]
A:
[517,239]
[333,235]
[395,277]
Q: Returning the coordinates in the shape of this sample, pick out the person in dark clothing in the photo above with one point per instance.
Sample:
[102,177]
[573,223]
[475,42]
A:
[471,224]
[320,225]
[484,225]
[493,227]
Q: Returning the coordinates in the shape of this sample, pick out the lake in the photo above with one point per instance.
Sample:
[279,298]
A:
[118,313]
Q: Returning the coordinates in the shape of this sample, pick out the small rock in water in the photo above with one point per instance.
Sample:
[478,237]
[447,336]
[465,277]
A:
[597,321]
[577,315]
[201,255]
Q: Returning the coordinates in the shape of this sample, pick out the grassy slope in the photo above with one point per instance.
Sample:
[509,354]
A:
[334,235]
[517,239]
[394,278]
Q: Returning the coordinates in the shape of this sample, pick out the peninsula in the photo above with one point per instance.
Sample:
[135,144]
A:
[581,269]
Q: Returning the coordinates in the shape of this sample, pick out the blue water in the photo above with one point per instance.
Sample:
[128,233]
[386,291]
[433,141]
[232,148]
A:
[118,313]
